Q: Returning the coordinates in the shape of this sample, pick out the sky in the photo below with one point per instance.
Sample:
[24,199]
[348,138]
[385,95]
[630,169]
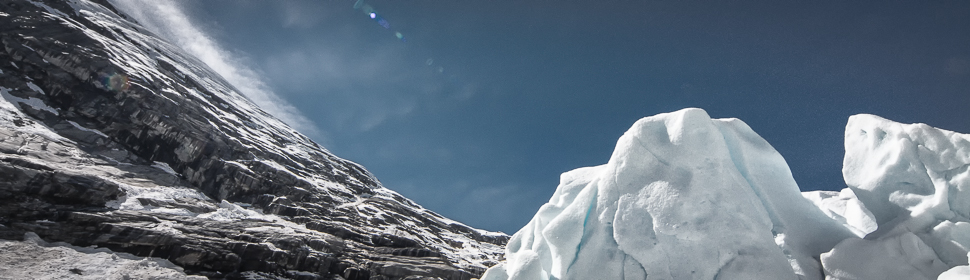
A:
[473,108]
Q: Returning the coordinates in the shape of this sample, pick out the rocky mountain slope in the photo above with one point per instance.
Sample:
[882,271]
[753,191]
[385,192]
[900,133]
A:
[112,137]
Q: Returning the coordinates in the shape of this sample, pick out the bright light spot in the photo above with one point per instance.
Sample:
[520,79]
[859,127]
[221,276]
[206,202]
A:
[115,82]
[373,15]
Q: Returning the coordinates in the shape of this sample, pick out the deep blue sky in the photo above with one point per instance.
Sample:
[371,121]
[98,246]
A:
[487,102]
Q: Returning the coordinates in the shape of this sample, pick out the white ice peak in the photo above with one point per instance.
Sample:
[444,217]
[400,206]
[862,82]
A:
[685,196]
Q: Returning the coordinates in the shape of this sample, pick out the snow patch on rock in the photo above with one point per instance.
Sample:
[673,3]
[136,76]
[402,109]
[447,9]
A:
[32,102]
[95,131]
[34,258]
[10,113]
[165,167]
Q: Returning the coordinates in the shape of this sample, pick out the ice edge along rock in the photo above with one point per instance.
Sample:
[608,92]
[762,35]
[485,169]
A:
[685,196]
[112,137]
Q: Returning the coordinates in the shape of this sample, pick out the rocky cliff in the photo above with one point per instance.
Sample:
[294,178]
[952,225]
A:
[114,138]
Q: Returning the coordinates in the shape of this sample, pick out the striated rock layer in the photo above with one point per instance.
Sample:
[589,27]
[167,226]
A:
[111,137]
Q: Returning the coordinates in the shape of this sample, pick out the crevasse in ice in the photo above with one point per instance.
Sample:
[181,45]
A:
[685,196]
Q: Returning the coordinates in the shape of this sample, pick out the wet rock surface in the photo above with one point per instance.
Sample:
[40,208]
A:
[114,138]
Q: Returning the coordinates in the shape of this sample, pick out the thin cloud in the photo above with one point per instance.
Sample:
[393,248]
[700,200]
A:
[364,90]
[167,19]
[452,196]
[298,15]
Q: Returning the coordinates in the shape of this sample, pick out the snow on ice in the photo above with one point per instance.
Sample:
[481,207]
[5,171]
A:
[685,196]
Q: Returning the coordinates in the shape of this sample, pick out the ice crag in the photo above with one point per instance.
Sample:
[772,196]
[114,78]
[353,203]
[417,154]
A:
[913,178]
[685,196]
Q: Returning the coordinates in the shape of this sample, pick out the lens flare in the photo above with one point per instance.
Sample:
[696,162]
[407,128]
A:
[372,13]
[115,82]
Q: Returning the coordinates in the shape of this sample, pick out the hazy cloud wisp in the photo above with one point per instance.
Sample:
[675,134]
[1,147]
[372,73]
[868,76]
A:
[167,19]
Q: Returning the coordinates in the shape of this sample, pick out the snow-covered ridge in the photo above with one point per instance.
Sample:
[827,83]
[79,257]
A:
[143,56]
[155,135]
[685,196]
[34,258]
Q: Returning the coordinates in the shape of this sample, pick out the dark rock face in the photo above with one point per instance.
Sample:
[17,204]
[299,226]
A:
[112,137]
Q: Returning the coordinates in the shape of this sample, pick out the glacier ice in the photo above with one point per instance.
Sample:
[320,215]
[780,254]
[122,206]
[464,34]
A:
[913,179]
[685,196]
[844,207]
[960,272]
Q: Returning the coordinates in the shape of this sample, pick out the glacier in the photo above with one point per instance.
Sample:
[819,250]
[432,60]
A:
[685,196]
